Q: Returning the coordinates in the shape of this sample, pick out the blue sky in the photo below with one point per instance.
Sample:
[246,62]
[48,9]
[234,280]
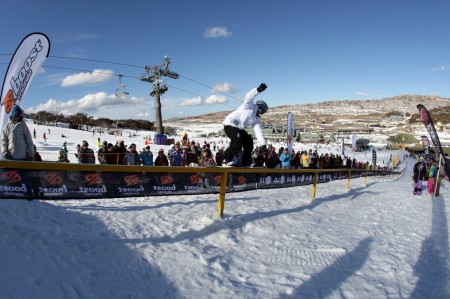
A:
[305,51]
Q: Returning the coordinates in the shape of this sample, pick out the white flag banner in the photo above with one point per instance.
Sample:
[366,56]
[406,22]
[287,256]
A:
[290,131]
[28,58]
[353,142]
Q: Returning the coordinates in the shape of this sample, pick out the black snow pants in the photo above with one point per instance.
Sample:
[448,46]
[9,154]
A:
[239,140]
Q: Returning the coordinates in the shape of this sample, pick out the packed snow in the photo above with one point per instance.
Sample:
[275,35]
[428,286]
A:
[374,240]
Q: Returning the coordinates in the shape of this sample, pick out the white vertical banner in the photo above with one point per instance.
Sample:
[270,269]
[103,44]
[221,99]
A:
[27,59]
[290,131]
[353,142]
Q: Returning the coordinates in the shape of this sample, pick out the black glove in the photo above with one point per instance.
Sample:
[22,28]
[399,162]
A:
[261,87]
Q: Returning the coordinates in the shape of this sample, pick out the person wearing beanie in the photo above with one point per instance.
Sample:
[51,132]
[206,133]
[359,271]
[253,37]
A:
[17,143]
[161,159]
[85,154]
[146,156]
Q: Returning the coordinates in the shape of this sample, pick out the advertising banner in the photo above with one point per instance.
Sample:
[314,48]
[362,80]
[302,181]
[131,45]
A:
[290,131]
[27,59]
[428,122]
[70,184]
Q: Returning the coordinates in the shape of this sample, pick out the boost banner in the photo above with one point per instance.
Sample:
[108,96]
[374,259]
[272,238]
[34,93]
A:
[61,184]
[27,59]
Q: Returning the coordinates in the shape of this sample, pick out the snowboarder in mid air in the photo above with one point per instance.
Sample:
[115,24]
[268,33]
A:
[248,114]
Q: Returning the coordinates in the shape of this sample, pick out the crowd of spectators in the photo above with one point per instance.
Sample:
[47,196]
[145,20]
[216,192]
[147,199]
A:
[193,154]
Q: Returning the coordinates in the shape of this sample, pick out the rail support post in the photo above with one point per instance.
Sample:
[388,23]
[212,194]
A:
[348,180]
[313,193]
[223,190]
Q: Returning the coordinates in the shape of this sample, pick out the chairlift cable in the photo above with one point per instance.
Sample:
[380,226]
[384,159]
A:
[127,76]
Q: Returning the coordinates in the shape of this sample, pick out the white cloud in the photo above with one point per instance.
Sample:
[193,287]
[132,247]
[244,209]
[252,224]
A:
[215,32]
[96,76]
[145,114]
[361,94]
[210,100]
[224,87]
[90,104]
[215,99]
[75,37]
[442,68]
[192,102]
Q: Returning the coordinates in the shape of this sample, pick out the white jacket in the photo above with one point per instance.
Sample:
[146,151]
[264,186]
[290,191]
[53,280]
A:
[245,116]
[17,141]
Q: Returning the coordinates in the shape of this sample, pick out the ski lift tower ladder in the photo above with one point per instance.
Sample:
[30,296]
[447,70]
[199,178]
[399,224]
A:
[153,75]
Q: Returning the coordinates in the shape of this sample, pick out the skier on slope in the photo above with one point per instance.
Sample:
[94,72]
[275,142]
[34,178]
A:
[419,172]
[248,114]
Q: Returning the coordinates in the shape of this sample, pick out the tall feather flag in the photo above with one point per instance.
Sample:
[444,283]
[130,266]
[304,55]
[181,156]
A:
[428,122]
[27,59]
[353,142]
[290,131]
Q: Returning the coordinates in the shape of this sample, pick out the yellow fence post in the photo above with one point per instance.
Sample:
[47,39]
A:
[365,178]
[223,190]
[316,174]
[348,180]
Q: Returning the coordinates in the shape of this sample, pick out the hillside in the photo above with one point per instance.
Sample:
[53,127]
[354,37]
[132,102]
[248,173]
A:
[329,112]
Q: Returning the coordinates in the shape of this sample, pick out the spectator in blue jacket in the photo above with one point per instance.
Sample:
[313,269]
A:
[146,156]
[285,159]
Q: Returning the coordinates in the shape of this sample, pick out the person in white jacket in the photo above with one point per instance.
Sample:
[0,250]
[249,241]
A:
[17,143]
[241,143]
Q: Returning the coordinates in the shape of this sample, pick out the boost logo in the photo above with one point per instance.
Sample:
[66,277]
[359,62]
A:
[12,176]
[53,179]
[93,179]
[132,180]
[8,101]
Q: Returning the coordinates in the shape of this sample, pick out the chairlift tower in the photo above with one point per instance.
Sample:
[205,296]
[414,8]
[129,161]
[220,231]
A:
[153,75]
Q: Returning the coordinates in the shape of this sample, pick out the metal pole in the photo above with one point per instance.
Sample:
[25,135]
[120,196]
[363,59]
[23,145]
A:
[437,176]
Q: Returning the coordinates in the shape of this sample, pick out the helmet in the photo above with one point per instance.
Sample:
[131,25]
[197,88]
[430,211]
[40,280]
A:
[262,107]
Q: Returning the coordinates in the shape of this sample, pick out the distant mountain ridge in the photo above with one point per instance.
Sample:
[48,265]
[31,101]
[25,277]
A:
[332,110]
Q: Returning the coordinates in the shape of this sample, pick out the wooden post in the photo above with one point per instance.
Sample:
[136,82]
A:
[223,190]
